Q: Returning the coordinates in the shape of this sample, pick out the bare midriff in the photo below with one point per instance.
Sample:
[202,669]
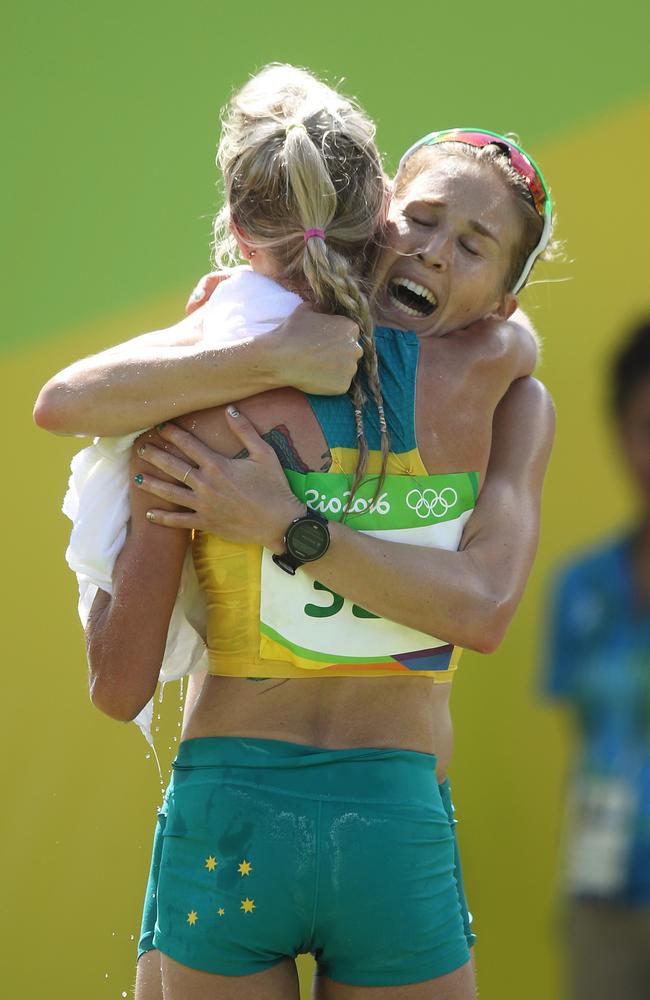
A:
[332,712]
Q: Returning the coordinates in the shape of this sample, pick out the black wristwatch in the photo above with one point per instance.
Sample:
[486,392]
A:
[307,538]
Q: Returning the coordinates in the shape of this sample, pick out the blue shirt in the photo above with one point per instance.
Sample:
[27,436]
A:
[598,661]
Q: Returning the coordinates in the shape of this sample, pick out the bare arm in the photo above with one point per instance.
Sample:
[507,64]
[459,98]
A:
[155,377]
[466,597]
[126,632]
[149,379]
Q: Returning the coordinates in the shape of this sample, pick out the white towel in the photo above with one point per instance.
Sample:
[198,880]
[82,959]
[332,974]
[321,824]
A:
[97,500]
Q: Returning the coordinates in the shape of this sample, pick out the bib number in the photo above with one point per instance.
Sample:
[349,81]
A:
[318,611]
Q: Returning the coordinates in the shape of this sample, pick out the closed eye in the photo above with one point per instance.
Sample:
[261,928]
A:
[421,222]
[469,249]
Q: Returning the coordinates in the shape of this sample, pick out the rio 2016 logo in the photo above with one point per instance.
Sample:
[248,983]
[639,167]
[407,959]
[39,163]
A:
[335,505]
[427,503]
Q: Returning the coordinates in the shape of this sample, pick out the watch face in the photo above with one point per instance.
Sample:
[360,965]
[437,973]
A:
[307,540]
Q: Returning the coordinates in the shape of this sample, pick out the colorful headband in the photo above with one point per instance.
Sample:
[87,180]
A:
[309,233]
[520,161]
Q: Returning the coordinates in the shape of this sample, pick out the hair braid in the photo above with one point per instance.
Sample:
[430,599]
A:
[296,155]
[336,286]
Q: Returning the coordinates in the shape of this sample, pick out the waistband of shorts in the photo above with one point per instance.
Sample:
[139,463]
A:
[322,772]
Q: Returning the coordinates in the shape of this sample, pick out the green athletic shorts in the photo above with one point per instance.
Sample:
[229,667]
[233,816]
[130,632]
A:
[266,849]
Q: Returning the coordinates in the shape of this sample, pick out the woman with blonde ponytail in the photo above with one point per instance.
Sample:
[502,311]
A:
[317,214]
[318,819]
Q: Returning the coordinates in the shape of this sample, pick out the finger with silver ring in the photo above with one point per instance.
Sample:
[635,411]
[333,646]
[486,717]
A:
[190,468]
[173,466]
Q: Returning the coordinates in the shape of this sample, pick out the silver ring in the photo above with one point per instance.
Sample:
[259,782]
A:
[190,468]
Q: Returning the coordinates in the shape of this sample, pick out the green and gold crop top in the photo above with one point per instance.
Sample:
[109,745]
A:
[263,622]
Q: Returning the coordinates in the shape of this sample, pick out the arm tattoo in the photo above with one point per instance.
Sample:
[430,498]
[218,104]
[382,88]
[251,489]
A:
[282,443]
[280,440]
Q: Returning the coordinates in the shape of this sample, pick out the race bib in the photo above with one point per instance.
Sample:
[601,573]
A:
[311,625]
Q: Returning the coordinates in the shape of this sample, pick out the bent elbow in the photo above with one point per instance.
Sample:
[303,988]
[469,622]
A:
[110,706]
[489,626]
[50,412]
[115,703]
[488,642]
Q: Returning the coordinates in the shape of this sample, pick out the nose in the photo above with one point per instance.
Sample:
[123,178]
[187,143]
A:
[435,253]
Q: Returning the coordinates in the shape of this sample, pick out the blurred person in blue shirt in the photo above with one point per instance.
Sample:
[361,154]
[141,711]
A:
[599,666]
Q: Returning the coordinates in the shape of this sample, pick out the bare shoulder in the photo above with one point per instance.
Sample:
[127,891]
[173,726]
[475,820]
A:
[531,398]
[263,410]
[504,344]
[478,363]
[524,425]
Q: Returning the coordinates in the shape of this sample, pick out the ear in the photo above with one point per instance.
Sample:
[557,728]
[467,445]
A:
[509,304]
[240,240]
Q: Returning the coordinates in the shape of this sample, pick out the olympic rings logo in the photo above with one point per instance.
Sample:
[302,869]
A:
[431,503]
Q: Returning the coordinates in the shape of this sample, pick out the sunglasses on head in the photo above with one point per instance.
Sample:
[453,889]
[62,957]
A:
[519,160]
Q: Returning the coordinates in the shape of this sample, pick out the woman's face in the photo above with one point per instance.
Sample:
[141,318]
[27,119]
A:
[452,233]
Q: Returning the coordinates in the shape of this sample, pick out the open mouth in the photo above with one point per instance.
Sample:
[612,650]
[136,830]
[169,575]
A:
[411,298]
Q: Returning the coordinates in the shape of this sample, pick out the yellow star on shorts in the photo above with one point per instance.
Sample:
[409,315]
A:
[245,868]
[221,911]
[192,917]
[247,905]
[211,863]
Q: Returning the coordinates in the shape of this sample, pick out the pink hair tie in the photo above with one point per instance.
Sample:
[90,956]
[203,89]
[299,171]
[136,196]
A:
[314,232]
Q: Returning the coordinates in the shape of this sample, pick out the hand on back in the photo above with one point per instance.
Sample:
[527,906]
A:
[316,352]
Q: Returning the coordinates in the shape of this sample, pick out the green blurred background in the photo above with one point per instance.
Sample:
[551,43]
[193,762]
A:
[108,191]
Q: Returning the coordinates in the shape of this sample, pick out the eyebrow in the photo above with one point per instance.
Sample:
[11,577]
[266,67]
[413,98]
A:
[481,229]
[478,227]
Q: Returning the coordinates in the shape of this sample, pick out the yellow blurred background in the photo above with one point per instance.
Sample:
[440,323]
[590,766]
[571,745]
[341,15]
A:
[110,193]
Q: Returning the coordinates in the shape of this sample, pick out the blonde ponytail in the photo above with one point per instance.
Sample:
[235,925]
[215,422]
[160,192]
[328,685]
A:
[298,156]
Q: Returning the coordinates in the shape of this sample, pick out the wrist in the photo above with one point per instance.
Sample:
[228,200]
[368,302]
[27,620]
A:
[278,529]
[265,360]
[239,369]
[307,539]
